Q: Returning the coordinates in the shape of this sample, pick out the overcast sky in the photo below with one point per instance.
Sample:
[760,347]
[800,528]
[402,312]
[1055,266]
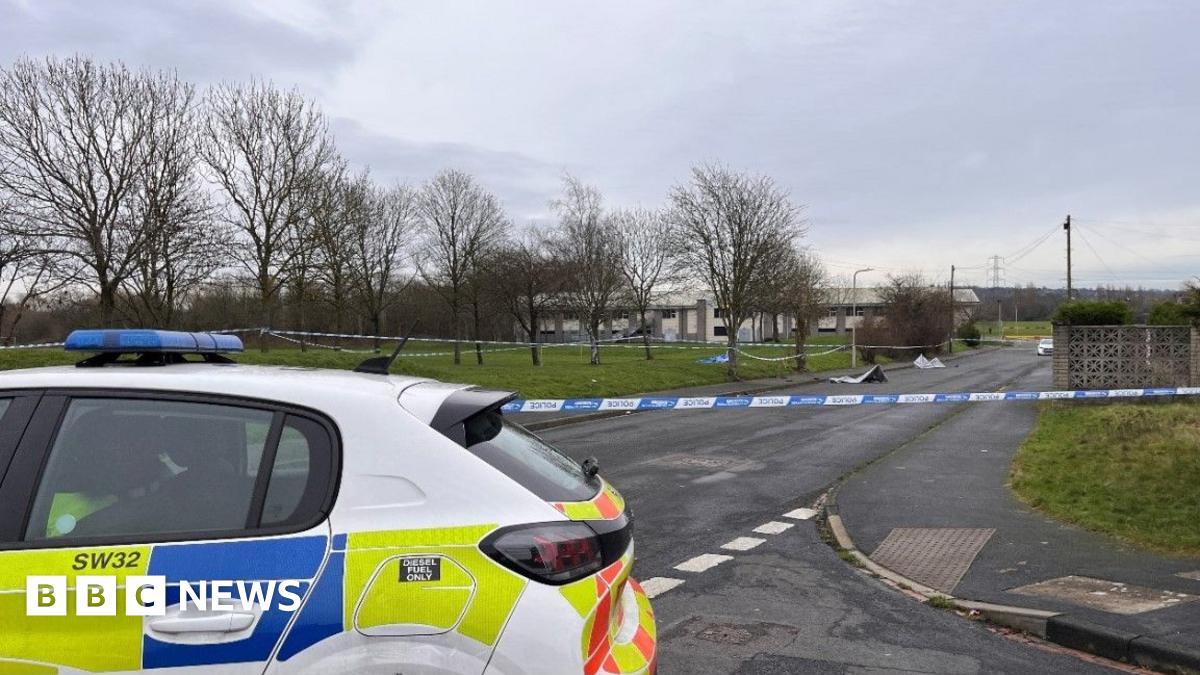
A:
[917,135]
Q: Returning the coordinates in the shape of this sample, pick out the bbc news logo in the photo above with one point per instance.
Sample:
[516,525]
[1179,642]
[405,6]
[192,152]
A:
[147,595]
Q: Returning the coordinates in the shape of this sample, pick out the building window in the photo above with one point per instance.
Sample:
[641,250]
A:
[833,311]
[720,331]
[860,311]
[669,314]
[718,313]
[620,315]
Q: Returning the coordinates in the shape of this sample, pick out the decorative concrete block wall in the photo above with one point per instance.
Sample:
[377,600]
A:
[1115,357]
[1062,372]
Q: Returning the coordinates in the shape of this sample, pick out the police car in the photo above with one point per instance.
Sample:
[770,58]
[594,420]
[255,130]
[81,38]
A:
[165,509]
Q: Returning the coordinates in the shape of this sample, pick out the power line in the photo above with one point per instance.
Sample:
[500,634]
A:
[1119,245]
[1030,247]
[1144,232]
[1091,248]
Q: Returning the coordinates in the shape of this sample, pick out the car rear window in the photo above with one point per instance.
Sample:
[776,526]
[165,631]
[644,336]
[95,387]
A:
[527,459]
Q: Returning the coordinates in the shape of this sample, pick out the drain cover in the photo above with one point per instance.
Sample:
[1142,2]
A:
[726,634]
[1107,596]
[936,557]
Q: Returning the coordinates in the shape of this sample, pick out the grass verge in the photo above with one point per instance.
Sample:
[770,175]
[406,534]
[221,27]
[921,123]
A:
[990,329]
[1125,469]
[565,371]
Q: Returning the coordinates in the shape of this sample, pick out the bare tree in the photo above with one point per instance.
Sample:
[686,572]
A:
[183,246]
[646,260]
[313,246]
[461,222]
[266,149]
[378,242]
[26,274]
[76,139]
[803,295]
[478,299]
[525,279]
[915,314]
[728,226]
[590,249]
[342,207]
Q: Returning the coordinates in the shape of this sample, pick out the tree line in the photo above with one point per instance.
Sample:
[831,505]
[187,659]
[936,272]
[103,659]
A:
[135,198]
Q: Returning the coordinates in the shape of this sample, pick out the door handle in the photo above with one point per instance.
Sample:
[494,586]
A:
[225,622]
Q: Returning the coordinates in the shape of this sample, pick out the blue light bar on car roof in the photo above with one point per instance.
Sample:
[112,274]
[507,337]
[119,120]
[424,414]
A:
[146,341]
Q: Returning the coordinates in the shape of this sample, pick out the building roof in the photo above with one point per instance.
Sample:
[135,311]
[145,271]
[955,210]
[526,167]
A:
[871,296]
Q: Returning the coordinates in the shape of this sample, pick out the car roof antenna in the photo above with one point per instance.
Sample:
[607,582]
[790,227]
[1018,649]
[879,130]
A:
[380,365]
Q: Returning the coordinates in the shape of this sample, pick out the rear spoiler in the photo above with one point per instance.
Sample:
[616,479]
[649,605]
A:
[464,404]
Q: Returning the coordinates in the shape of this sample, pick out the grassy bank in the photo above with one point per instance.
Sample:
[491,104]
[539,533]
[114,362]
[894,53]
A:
[1016,329]
[565,370]
[1125,469]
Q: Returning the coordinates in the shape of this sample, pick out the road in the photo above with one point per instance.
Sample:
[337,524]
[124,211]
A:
[697,480]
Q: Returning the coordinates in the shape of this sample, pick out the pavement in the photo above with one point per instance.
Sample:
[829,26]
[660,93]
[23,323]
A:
[956,476]
[743,581]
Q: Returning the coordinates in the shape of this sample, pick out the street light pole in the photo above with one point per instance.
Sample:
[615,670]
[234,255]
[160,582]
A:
[953,315]
[854,315]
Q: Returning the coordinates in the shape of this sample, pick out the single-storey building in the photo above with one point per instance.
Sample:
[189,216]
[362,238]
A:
[851,307]
[683,317]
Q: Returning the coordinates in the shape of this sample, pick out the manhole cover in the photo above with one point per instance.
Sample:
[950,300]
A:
[1113,597]
[726,635]
[936,557]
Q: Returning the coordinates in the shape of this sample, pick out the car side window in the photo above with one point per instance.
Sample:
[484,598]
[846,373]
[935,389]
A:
[299,477]
[156,469]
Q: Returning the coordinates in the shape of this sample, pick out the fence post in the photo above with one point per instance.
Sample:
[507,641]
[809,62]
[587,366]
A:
[1060,362]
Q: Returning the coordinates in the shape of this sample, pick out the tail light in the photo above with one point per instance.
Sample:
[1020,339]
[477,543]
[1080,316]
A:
[553,553]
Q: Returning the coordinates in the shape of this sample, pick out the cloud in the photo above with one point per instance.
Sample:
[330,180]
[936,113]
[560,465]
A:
[917,134]
[524,184]
[205,42]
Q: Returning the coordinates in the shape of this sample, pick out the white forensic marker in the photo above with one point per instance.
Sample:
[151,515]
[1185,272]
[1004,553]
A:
[743,544]
[773,527]
[656,586]
[703,562]
[801,514]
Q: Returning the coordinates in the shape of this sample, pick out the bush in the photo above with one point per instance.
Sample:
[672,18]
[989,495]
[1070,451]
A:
[1094,313]
[1168,313]
[969,333]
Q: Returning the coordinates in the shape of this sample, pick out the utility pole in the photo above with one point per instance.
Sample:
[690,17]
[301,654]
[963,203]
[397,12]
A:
[1067,227]
[953,316]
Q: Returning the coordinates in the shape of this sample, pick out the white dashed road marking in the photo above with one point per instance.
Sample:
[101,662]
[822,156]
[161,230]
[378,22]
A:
[773,527]
[703,562]
[658,585]
[800,514]
[742,544]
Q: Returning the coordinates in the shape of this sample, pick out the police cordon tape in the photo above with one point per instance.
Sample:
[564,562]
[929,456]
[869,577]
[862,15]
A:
[633,342]
[39,345]
[808,400]
[624,342]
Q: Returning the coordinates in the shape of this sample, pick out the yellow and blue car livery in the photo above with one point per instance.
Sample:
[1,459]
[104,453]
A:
[414,491]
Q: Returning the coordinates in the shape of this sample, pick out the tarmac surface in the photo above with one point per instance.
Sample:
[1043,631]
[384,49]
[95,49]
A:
[955,477]
[717,492]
